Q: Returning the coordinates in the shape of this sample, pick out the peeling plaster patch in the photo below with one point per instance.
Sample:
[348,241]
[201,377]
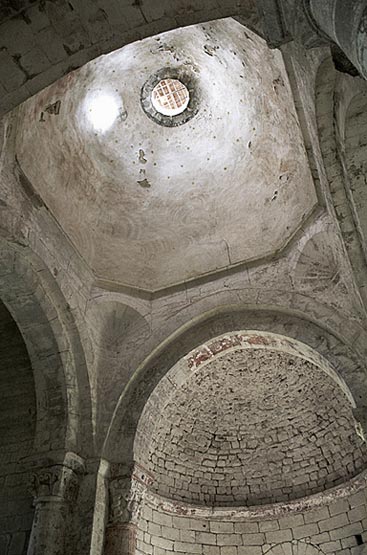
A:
[142,160]
[144,183]
[210,50]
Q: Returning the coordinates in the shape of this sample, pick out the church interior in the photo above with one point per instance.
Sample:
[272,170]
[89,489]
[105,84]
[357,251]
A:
[183,277]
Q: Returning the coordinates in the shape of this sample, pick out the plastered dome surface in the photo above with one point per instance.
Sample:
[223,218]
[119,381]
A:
[148,205]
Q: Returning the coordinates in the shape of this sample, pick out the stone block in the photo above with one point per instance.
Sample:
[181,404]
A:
[154,529]
[345,531]
[321,538]
[17,37]
[358,550]
[144,547]
[51,44]
[333,522]
[162,518]
[222,527]
[305,531]
[163,543]
[253,539]
[228,550]
[38,19]
[357,499]
[249,550]
[357,514]
[229,539]
[200,525]
[206,537]
[338,507]
[279,536]
[348,542]
[211,550]
[246,527]
[268,525]
[187,536]
[35,61]
[11,75]
[170,533]
[316,516]
[331,547]
[291,521]
[183,547]
[181,523]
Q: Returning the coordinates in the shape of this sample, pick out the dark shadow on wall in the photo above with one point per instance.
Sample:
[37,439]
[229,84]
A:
[17,431]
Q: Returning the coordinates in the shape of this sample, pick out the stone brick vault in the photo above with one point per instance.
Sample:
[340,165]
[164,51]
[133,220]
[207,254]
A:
[183,294]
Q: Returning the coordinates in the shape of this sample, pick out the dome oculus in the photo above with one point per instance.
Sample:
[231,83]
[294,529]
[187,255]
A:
[170,97]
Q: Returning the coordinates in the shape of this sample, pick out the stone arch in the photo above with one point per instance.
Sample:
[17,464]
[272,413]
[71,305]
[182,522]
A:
[52,341]
[234,382]
[295,547]
[355,139]
[120,439]
[66,36]
[333,93]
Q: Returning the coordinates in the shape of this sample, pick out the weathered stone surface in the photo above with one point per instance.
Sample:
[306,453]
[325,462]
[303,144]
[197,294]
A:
[276,542]
[250,427]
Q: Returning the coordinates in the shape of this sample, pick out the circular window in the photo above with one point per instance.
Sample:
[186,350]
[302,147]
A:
[170,97]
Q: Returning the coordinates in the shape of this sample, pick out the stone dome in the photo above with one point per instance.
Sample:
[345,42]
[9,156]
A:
[149,205]
[254,426]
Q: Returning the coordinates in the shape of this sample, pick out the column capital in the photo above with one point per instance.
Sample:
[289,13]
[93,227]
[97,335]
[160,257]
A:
[57,479]
[127,488]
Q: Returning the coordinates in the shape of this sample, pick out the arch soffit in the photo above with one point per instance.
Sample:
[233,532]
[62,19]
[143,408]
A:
[49,332]
[345,362]
[334,93]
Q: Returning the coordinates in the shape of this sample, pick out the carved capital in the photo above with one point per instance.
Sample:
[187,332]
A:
[58,481]
[127,493]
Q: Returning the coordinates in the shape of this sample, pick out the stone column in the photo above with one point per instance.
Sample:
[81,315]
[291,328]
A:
[55,488]
[127,489]
[345,23]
